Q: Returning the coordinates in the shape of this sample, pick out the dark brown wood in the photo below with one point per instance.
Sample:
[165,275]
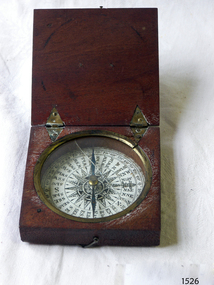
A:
[95,65]
[38,224]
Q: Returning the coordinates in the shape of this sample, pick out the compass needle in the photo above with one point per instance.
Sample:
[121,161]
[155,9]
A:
[93,201]
[93,181]
[93,163]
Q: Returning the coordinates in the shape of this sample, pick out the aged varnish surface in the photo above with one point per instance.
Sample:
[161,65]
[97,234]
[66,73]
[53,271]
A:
[95,66]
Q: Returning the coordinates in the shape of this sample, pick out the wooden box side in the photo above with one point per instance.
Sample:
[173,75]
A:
[139,227]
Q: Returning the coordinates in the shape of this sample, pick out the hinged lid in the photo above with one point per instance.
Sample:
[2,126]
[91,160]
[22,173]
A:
[95,66]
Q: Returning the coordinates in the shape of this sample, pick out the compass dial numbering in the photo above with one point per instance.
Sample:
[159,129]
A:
[93,183]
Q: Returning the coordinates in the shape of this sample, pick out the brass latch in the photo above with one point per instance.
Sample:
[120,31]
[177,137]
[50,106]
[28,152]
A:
[54,124]
[138,124]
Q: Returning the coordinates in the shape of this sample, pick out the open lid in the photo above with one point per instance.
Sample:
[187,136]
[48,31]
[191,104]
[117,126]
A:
[95,66]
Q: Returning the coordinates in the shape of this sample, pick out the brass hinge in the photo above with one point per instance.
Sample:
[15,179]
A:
[138,124]
[54,124]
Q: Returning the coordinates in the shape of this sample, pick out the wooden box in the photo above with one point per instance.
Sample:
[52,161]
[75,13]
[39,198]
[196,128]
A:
[96,67]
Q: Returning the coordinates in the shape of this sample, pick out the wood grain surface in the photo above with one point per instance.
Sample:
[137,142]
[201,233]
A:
[95,65]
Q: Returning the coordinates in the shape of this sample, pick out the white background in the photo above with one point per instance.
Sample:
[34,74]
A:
[186,54]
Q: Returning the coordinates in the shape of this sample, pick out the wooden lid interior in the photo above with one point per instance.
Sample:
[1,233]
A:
[95,66]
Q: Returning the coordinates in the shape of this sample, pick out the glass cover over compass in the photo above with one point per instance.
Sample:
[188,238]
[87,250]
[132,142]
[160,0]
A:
[93,178]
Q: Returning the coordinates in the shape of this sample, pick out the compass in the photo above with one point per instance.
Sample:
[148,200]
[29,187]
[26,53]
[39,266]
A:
[93,176]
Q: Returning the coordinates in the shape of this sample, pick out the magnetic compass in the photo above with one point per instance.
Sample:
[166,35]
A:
[93,177]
